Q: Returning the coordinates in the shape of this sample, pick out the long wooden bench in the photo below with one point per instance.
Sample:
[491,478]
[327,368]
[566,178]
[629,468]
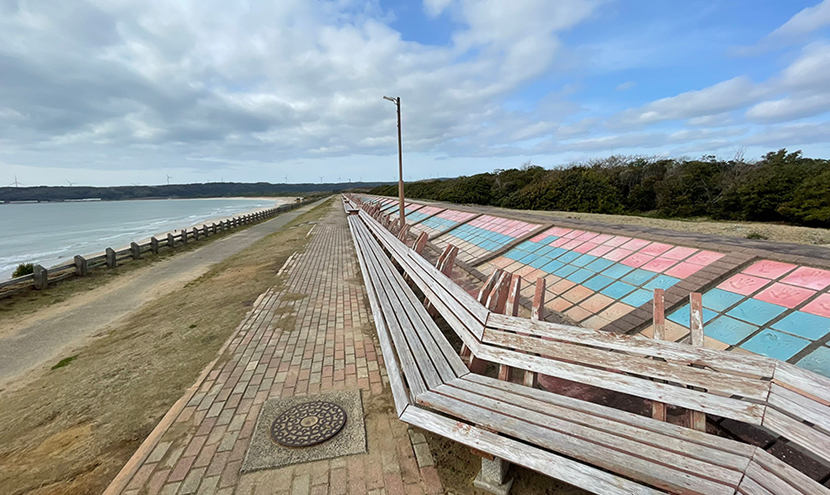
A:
[599,448]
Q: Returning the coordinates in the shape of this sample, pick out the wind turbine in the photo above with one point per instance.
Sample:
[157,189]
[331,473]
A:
[16,183]
[286,179]
[168,179]
[70,182]
[321,179]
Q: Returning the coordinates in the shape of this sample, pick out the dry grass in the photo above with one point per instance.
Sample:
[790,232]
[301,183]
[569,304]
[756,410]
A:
[72,429]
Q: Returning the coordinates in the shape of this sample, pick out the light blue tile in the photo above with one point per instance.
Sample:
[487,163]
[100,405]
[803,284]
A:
[528,258]
[583,260]
[681,316]
[755,311]
[617,271]
[804,325]
[638,298]
[775,344]
[565,271]
[569,256]
[817,361]
[552,266]
[661,282]
[540,262]
[598,282]
[728,330]
[599,265]
[580,275]
[515,254]
[719,300]
[638,277]
[618,290]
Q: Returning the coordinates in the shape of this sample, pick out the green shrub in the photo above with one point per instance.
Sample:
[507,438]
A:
[23,269]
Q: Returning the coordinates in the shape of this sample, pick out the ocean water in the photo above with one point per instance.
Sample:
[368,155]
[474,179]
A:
[51,233]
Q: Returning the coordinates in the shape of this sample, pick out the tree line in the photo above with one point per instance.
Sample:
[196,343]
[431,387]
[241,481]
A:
[780,187]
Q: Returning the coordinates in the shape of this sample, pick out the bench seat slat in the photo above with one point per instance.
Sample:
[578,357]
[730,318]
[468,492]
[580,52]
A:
[800,483]
[747,364]
[800,406]
[815,441]
[712,381]
[616,427]
[393,371]
[570,471]
[650,472]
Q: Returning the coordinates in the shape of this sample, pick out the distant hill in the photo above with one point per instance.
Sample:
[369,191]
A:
[211,190]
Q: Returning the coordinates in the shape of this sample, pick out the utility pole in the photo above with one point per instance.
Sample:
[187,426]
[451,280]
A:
[397,101]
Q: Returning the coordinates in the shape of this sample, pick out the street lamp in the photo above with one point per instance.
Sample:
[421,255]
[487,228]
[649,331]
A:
[397,101]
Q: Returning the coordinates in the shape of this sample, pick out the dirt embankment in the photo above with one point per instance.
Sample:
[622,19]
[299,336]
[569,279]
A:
[70,429]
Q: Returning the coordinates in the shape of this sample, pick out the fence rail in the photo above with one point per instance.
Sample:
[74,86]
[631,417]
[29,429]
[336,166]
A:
[110,258]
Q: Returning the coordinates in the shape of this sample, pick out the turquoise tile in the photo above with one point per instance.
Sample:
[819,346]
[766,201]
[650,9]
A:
[565,271]
[515,254]
[638,298]
[540,262]
[580,275]
[549,239]
[719,300]
[552,266]
[681,316]
[569,256]
[617,271]
[804,325]
[638,277]
[755,311]
[817,361]
[598,282]
[775,344]
[583,260]
[661,282]
[557,252]
[599,265]
[729,330]
[528,258]
[527,246]
[618,290]
[544,250]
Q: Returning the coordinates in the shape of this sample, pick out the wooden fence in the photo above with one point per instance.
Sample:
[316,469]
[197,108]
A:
[80,265]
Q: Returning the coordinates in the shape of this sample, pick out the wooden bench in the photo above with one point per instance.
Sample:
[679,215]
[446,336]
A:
[599,448]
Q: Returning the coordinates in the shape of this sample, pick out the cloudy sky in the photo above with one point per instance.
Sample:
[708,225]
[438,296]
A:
[106,92]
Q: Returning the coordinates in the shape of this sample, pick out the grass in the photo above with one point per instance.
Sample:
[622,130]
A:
[71,432]
[64,362]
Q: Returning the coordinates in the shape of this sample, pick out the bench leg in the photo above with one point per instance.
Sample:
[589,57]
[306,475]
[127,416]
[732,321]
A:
[493,476]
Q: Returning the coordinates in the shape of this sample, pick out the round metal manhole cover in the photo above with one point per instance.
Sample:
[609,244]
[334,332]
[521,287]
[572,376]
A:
[308,424]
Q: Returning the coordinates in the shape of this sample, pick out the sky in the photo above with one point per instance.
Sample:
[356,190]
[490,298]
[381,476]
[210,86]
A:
[119,92]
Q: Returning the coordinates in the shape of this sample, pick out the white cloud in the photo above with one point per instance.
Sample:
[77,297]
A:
[806,21]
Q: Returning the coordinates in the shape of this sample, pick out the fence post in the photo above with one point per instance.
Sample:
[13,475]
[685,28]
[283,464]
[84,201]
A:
[171,241]
[135,251]
[195,234]
[110,258]
[184,237]
[658,409]
[154,245]
[81,266]
[41,277]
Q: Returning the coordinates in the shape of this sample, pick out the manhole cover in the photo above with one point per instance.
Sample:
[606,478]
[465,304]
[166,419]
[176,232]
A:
[308,424]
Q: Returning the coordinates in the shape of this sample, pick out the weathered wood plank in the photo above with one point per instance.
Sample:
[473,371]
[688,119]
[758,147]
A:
[799,406]
[658,409]
[802,381]
[784,471]
[813,440]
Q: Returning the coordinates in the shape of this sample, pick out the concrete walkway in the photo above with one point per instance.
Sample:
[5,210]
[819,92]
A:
[44,337]
[312,336]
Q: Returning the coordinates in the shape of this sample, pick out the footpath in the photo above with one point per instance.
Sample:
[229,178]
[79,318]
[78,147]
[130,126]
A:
[312,340]
[46,335]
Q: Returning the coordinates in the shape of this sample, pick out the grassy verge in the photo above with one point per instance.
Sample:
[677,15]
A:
[73,428]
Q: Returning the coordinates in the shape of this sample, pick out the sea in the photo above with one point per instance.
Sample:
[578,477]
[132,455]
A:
[52,233]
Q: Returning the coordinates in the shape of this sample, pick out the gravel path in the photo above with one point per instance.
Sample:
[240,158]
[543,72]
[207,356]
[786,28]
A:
[46,336]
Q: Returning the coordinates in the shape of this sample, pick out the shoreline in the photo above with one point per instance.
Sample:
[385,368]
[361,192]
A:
[98,200]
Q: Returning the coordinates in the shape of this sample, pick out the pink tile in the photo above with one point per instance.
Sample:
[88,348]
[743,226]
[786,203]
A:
[784,295]
[618,254]
[559,242]
[617,241]
[704,258]
[601,238]
[819,306]
[574,234]
[572,244]
[635,244]
[679,253]
[558,231]
[539,237]
[743,284]
[768,269]
[587,236]
[658,264]
[655,249]
[584,248]
[682,270]
[637,260]
[601,250]
[811,278]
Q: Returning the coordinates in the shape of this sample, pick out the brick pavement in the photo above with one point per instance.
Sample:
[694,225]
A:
[314,334]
